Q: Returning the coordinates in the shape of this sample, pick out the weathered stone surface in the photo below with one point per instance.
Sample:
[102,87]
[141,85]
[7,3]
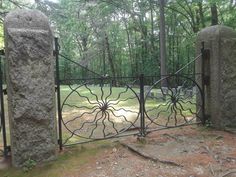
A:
[30,84]
[220,95]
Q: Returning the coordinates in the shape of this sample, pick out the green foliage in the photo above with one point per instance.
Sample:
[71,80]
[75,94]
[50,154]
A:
[208,123]
[29,165]
[1,37]
[121,38]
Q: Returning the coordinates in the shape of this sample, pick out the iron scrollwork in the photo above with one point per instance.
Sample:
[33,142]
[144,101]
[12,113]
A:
[173,101]
[99,111]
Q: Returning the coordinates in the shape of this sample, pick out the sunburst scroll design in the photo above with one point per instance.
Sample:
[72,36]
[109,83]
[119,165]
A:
[179,102]
[99,111]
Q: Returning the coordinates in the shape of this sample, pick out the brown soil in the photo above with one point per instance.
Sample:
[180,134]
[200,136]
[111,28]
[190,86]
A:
[182,152]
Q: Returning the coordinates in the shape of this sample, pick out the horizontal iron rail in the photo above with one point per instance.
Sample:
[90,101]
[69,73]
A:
[94,140]
[182,74]
[98,78]
[149,130]
[128,77]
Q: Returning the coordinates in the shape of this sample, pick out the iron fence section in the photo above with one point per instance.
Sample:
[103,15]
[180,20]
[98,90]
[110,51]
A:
[97,107]
[4,148]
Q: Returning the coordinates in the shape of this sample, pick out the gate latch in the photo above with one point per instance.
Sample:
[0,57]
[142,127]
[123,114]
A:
[206,80]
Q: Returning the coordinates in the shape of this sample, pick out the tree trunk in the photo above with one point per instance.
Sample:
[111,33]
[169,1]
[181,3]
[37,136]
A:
[162,41]
[214,14]
[201,15]
[129,46]
[85,72]
[104,60]
[137,69]
[109,55]
[152,28]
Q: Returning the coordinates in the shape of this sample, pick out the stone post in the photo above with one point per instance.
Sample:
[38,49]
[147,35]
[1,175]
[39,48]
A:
[30,86]
[220,92]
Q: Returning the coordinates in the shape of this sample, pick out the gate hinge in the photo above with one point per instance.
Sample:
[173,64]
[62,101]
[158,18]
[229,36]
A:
[4,91]
[206,80]
[2,52]
[207,116]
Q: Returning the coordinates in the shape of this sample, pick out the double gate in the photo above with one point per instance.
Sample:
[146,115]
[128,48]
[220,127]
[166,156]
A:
[98,107]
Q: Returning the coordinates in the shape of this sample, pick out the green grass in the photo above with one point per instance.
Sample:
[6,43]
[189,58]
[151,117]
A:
[66,163]
[117,93]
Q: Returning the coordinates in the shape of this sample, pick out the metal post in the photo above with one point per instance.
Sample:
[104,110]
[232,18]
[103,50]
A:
[58,93]
[203,83]
[142,118]
[3,112]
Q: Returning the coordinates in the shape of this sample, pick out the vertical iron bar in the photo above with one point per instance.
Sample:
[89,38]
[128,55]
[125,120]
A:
[203,82]
[58,93]
[142,118]
[3,112]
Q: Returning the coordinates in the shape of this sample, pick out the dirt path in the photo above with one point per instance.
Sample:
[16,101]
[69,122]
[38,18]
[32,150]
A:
[182,152]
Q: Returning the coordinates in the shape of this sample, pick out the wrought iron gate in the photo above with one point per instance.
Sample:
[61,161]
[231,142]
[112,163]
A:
[98,107]
[4,148]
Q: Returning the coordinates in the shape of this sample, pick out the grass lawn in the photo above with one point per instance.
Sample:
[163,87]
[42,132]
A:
[66,162]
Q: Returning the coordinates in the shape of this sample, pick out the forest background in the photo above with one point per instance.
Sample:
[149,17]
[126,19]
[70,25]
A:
[123,38]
